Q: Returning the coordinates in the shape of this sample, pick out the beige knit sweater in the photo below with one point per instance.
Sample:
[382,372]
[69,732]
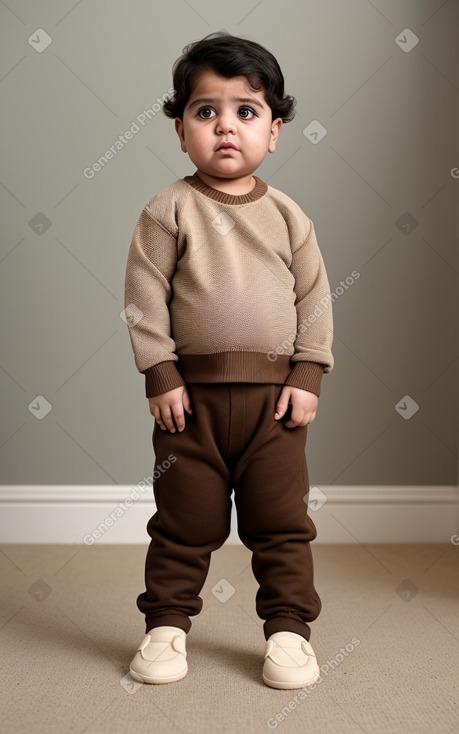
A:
[224,288]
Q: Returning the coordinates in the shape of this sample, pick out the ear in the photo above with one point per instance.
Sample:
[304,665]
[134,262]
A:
[180,132]
[275,132]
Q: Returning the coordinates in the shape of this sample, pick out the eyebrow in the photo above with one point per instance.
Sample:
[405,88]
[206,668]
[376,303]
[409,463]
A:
[212,100]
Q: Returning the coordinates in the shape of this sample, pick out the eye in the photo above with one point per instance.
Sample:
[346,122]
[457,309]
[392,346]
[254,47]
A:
[249,110]
[205,109]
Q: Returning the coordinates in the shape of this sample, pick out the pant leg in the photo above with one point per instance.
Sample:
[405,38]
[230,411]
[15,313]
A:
[193,500]
[270,484]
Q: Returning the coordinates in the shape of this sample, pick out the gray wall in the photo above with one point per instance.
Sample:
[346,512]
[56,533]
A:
[380,188]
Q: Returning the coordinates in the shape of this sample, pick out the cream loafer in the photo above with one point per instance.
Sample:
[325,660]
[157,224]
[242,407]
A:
[161,657]
[290,661]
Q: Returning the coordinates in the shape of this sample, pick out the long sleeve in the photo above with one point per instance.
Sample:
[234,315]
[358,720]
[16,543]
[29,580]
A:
[314,334]
[150,267]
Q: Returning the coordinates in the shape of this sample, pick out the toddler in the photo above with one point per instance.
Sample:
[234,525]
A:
[223,282]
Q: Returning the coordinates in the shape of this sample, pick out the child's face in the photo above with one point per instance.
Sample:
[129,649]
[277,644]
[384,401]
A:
[246,124]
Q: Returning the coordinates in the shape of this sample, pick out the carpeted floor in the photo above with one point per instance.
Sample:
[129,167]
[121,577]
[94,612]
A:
[387,641]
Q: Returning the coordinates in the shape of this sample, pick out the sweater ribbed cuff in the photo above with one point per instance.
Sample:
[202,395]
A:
[162,378]
[307,376]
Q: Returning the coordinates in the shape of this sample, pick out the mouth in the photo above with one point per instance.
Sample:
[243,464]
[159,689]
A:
[227,146]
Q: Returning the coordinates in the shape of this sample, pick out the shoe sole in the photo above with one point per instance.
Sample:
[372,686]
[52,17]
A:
[288,685]
[159,681]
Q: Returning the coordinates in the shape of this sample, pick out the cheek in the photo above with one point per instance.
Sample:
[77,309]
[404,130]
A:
[257,146]
[260,138]
[198,140]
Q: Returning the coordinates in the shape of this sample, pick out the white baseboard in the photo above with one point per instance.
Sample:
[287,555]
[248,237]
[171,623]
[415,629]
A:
[119,514]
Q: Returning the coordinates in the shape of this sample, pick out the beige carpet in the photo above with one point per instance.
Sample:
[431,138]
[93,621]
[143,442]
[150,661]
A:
[387,641]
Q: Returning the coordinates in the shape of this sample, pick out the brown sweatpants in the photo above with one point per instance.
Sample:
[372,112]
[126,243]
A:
[231,441]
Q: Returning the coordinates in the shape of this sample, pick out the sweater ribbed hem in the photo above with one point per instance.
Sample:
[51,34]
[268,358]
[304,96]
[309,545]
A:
[232,366]
[257,192]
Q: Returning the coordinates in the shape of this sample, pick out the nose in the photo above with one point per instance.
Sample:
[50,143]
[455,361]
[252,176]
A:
[226,123]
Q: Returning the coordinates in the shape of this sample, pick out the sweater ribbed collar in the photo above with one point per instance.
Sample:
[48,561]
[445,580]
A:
[256,193]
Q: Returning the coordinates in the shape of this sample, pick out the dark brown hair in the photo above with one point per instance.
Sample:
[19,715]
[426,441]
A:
[229,56]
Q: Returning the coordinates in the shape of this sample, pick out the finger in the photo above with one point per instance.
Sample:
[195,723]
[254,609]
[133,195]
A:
[167,419]
[281,407]
[179,417]
[304,422]
[298,417]
[187,402]
[159,421]
[291,424]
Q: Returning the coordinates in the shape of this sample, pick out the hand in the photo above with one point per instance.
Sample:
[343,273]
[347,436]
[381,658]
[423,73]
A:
[304,406]
[169,406]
